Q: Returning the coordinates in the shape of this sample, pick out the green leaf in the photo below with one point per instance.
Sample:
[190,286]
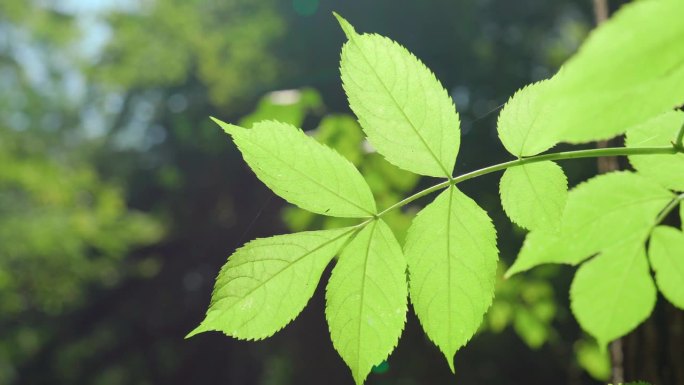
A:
[620,77]
[452,258]
[367,299]
[534,195]
[623,202]
[267,282]
[403,109]
[592,359]
[659,131]
[666,252]
[613,293]
[518,130]
[303,171]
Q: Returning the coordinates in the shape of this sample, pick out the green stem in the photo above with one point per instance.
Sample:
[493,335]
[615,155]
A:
[564,155]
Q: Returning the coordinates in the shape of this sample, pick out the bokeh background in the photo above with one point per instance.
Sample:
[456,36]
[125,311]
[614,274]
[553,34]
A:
[120,200]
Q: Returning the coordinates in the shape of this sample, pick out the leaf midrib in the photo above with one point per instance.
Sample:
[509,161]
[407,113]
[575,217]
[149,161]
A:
[352,38]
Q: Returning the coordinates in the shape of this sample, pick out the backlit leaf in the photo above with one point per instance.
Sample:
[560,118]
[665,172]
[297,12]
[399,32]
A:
[303,171]
[367,299]
[266,283]
[452,258]
[403,109]
[666,252]
[659,131]
[613,292]
[600,213]
[534,195]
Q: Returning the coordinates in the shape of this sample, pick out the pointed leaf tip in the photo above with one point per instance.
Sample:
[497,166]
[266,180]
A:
[450,362]
[199,329]
[346,27]
[229,129]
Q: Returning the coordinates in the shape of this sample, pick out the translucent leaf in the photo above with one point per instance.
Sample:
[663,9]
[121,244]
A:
[534,195]
[403,109]
[620,77]
[367,299]
[659,131]
[517,128]
[594,360]
[666,252]
[452,258]
[303,171]
[267,282]
[613,293]
[599,213]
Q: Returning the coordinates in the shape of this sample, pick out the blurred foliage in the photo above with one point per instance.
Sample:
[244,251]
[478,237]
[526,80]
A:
[224,43]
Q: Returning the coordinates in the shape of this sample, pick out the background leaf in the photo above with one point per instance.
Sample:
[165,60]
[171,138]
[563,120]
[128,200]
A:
[613,293]
[662,130]
[666,252]
[405,112]
[534,195]
[623,202]
[452,257]
[303,171]
[367,299]
[266,283]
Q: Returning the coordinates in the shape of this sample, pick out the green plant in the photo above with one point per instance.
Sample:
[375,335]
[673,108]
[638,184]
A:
[627,78]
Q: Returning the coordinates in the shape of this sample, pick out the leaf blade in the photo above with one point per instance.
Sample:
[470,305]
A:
[366,299]
[666,252]
[534,195]
[288,265]
[600,203]
[302,171]
[613,293]
[413,122]
[667,169]
[451,245]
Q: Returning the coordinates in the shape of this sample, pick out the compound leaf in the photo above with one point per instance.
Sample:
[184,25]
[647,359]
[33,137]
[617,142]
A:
[303,171]
[367,299]
[659,131]
[666,251]
[613,293]
[533,195]
[266,283]
[403,109]
[452,259]
[599,213]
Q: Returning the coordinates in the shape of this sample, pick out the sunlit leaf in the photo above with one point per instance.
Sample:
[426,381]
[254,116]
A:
[534,195]
[666,252]
[266,283]
[367,299]
[405,112]
[599,213]
[452,258]
[613,292]
[659,131]
[303,171]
